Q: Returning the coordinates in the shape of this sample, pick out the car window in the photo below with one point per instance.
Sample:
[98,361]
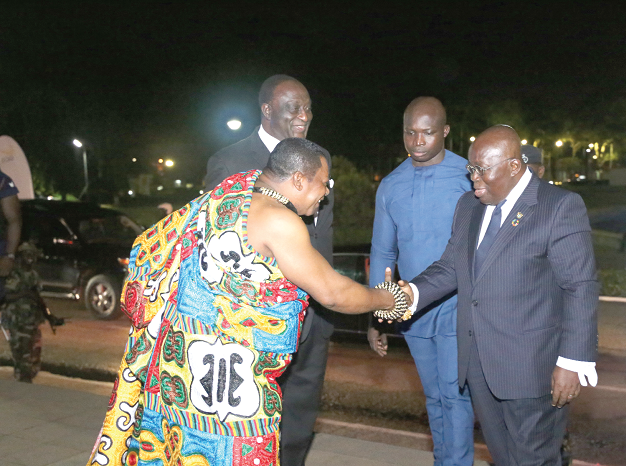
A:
[117,229]
[45,231]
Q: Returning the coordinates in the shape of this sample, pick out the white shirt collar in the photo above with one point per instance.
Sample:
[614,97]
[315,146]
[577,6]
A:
[506,208]
[515,193]
[270,141]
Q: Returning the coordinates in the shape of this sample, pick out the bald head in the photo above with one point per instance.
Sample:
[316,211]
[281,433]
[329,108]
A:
[498,166]
[502,137]
[427,106]
[425,130]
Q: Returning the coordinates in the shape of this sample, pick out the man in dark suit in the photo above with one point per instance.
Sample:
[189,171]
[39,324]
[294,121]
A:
[522,260]
[286,112]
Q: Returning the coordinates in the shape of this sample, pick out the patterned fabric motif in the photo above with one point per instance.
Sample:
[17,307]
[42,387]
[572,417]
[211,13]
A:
[214,325]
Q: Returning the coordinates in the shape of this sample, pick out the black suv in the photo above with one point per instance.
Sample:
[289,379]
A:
[85,251]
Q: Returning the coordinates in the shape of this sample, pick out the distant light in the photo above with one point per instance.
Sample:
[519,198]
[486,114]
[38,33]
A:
[130,192]
[159,188]
[160,160]
[588,150]
[234,124]
[472,139]
[595,156]
[50,198]
[201,191]
[178,183]
[551,182]
[582,177]
[524,141]
[77,143]
[590,145]
[169,163]
[559,143]
[189,185]
[134,159]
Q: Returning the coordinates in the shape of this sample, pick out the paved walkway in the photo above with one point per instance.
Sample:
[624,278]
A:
[55,421]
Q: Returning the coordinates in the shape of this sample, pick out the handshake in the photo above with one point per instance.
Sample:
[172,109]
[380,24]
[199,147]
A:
[403,300]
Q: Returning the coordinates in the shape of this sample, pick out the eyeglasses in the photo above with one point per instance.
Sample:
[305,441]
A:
[480,170]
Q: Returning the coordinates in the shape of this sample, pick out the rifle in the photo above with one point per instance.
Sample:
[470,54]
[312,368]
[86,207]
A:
[53,320]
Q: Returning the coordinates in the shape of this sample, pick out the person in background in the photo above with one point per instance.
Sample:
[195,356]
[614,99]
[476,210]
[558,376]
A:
[286,112]
[533,159]
[414,210]
[22,314]
[10,227]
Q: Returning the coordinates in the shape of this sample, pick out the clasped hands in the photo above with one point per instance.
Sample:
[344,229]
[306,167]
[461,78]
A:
[406,296]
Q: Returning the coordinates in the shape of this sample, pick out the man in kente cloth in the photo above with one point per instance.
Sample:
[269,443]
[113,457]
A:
[216,293]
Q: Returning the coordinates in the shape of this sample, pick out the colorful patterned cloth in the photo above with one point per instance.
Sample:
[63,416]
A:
[214,324]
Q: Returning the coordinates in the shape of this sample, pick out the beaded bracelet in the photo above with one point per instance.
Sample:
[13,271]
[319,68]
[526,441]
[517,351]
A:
[401,309]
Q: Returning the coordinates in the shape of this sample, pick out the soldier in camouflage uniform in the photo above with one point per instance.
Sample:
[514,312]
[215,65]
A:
[22,315]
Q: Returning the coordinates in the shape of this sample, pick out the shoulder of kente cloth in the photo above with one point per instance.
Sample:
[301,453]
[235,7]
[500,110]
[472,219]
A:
[154,246]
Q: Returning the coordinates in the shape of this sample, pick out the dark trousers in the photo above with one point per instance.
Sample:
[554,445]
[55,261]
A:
[523,432]
[302,385]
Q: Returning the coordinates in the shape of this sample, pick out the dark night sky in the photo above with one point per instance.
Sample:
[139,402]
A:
[169,76]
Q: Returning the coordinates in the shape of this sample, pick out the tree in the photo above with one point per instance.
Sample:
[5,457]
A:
[355,197]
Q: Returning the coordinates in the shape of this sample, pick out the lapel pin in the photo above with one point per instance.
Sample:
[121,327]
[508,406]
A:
[515,222]
[520,215]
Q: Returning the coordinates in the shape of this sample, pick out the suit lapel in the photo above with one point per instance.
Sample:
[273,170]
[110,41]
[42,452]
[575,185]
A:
[515,222]
[478,212]
[260,152]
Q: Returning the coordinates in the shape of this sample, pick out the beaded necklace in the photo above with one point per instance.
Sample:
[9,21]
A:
[275,195]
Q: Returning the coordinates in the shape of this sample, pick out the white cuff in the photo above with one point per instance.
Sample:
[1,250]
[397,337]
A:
[586,370]
[416,297]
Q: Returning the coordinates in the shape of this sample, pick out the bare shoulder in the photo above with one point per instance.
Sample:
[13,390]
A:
[271,225]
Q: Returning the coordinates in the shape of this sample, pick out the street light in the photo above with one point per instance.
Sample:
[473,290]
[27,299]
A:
[472,139]
[524,142]
[169,163]
[79,144]
[559,143]
[234,124]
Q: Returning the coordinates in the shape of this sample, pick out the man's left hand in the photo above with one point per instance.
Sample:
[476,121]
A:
[565,386]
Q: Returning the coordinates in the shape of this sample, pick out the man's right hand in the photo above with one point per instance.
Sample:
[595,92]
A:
[378,341]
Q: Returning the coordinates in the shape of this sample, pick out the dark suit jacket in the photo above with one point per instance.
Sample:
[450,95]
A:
[249,154]
[535,297]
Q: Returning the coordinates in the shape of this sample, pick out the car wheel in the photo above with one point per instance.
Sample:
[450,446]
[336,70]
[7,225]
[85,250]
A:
[102,297]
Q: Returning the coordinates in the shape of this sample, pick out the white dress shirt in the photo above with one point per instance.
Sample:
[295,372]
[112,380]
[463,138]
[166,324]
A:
[266,138]
[586,370]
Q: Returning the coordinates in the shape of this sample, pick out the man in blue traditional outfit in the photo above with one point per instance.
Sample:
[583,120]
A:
[414,209]
[216,295]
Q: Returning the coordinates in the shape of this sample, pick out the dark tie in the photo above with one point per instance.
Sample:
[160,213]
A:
[490,235]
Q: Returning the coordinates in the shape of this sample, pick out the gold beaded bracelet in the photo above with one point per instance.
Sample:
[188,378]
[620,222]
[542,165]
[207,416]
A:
[400,310]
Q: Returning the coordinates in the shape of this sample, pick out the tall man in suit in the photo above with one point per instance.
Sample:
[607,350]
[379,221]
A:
[522,260]
[286,112]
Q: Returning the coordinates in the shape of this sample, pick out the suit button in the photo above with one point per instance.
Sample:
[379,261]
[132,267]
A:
[470,333]
[474,303]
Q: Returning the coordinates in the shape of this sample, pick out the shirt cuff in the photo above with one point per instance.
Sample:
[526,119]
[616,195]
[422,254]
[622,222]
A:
[586,370]
[416,297]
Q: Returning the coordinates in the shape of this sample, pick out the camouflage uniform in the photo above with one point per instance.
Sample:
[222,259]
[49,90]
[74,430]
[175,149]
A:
[22,317]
